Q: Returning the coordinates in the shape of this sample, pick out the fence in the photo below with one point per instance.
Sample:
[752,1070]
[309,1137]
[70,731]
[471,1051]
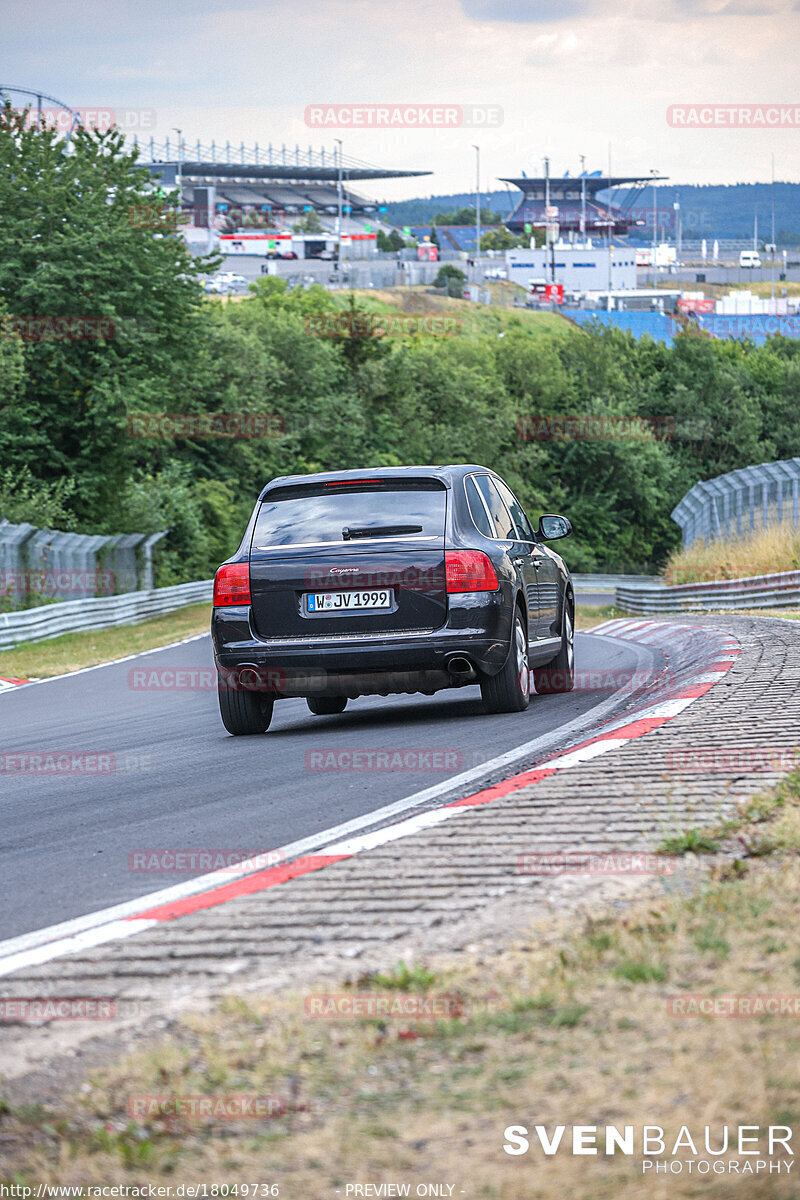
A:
[51,620]
[779,590]
[46,564]
[741,501]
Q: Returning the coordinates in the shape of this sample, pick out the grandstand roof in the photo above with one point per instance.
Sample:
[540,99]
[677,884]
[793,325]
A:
[594,183]
[213,161]
[211,170]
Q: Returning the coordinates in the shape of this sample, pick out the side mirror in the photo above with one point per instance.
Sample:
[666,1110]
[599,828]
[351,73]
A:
[552,527]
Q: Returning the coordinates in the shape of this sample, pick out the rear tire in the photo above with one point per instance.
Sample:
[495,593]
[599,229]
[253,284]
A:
[559,675]
[326,706]
[509,690]
[244,712]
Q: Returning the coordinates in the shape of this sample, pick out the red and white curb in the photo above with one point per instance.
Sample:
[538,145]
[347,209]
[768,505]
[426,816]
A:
[698,657]
[6,685]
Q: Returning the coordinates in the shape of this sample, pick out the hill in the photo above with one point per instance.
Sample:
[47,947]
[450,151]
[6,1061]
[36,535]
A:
[710,210]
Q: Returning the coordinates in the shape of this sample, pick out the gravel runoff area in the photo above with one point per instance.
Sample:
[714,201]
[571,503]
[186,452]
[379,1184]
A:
[444,890]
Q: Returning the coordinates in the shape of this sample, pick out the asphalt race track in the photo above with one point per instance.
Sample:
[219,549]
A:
[167,775]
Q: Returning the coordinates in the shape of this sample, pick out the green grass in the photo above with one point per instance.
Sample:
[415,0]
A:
[637,971]
[72,651]
[689,841]
[403,978]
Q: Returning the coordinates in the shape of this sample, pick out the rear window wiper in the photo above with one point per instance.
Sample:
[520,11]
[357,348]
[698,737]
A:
[355,531]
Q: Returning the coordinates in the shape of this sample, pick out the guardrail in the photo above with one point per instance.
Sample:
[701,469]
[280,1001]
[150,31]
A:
[779,590]
[607,583]
[100,612]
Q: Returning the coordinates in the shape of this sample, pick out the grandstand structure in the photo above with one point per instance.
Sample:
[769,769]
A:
[278,183]
[574,197]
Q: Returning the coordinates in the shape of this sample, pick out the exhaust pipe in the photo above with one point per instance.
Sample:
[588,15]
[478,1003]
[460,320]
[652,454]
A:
[461,669]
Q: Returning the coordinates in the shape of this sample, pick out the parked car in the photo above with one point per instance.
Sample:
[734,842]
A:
[289,254]
[390,580]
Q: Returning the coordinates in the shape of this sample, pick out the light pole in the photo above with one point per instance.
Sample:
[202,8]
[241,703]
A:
[477,150]
[583,195]
[339,216]
[655,176]
[772,251]
[180,160]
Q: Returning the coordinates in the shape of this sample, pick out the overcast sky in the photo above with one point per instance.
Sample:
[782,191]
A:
[572,77]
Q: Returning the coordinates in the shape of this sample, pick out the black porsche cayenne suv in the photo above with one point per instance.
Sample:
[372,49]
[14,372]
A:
[401,579]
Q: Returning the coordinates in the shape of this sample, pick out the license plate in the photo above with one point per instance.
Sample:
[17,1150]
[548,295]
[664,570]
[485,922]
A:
[364,601]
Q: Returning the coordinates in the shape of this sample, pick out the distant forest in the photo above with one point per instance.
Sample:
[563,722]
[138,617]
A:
[710,211]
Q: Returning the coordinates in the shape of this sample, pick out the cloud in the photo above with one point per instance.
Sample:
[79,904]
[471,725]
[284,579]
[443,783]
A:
[526,12]
[537,12]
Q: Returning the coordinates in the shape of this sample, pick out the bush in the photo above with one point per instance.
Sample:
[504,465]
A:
[447,272]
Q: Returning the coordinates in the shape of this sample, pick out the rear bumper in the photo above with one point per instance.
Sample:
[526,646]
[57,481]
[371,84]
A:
[477,628]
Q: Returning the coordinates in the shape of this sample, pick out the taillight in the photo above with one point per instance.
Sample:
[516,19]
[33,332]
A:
[469,571]
[232,584]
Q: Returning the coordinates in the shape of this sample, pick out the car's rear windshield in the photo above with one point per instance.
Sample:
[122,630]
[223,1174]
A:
[349,514]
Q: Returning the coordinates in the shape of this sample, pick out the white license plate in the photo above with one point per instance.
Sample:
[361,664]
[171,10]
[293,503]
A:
[364,601]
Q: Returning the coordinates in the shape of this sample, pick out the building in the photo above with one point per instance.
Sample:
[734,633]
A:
[580,266]
[267,186]
[574,204]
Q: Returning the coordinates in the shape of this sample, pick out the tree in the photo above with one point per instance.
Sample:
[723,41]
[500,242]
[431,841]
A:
[103,298]
[446,272]
[392,242]
[232,220]
[500,239]
[310,223]
[466,216]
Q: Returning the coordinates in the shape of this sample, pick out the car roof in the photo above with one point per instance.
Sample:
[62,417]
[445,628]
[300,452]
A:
[447,474]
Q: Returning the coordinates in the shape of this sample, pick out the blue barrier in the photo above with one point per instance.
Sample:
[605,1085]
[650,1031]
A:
[757,326]
[656,325]
[663,327]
